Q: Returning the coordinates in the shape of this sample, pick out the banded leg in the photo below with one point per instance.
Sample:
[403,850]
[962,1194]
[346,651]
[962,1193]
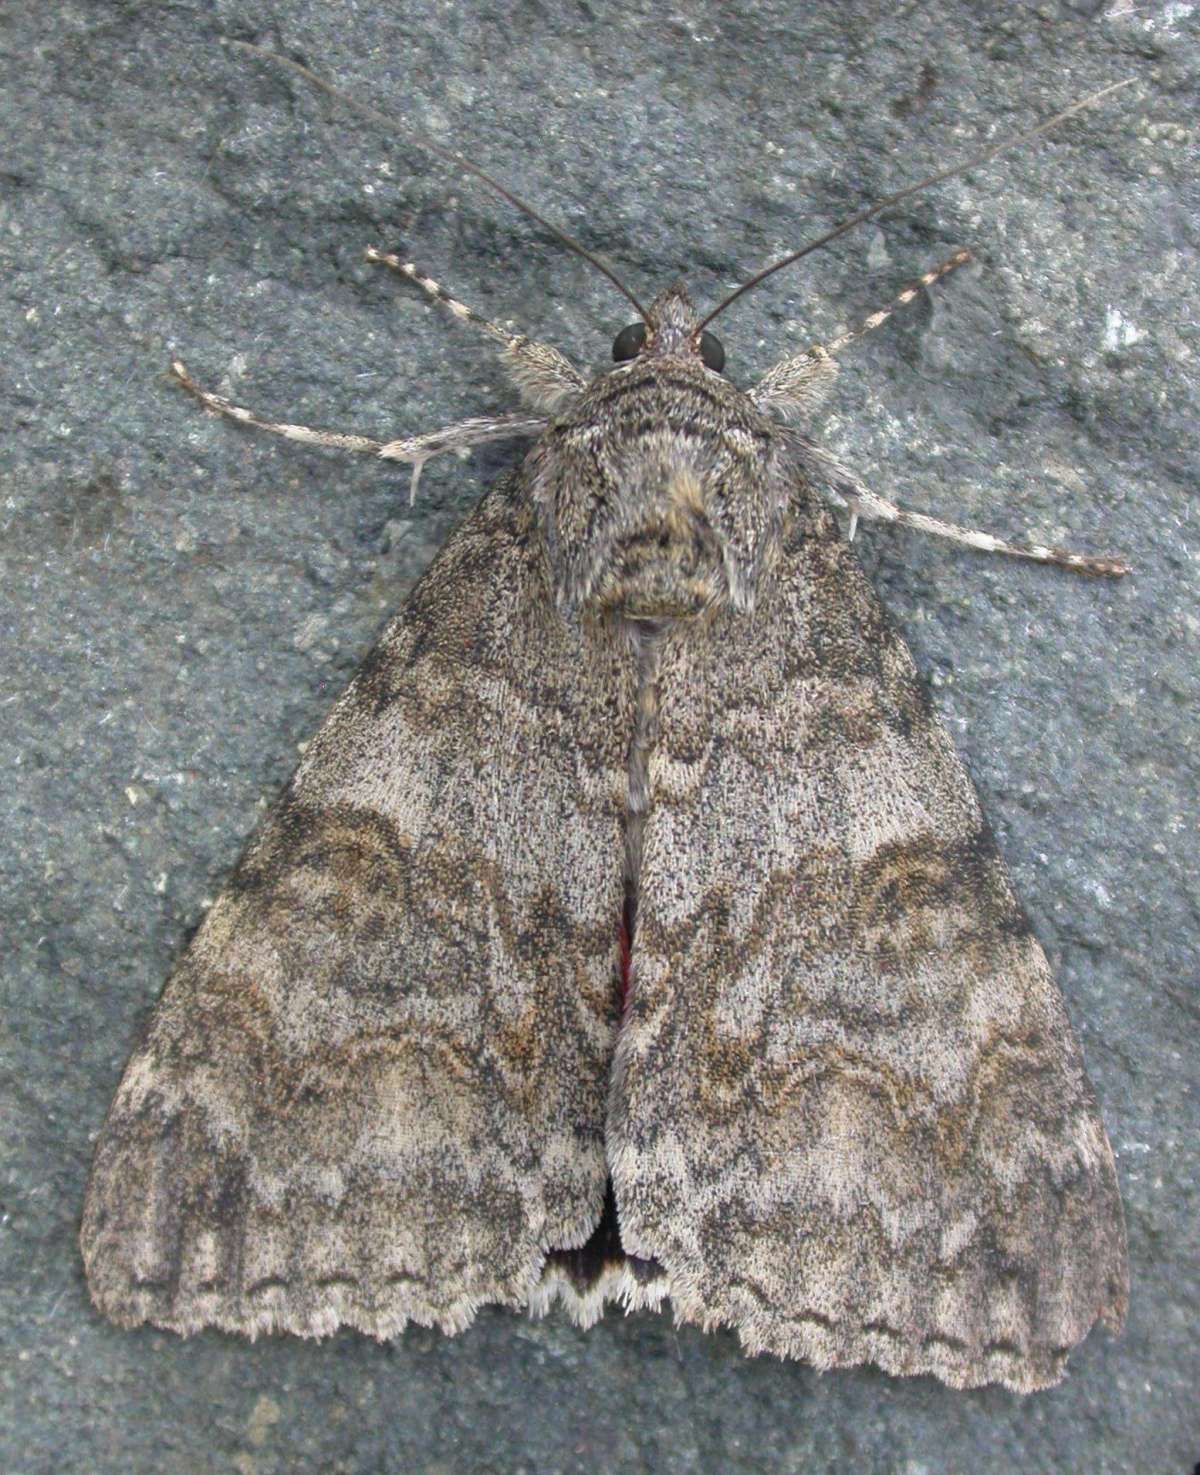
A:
[545,379]
[796,386]
[415,449]
[902,299]
[870,506]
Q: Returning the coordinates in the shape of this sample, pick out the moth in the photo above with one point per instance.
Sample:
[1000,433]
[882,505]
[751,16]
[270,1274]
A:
[630,932]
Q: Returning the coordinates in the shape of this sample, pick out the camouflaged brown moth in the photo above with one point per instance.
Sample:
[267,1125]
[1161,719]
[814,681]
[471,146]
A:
[629,932]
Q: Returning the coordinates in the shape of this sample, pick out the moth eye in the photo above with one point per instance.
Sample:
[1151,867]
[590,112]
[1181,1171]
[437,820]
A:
[629,342]
[712,352]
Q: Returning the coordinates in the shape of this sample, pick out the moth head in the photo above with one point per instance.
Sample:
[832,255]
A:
[659,488]
[672,328]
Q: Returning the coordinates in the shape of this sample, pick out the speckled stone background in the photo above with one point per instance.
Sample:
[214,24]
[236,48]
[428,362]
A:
[182,600]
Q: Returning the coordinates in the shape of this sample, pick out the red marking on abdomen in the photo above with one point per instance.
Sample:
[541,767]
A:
[626,946]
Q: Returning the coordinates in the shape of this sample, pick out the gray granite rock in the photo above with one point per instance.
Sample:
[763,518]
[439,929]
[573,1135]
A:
[181,601]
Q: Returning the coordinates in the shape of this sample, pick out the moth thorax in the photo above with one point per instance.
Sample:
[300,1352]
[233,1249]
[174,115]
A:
[666,563]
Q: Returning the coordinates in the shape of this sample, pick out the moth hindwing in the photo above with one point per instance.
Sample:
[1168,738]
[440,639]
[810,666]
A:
[629,932]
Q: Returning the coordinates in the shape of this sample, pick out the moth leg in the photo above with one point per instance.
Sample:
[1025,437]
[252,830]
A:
[414,449]
[417,449]
[544,378]
[863,503]
[796,386]
[877,319]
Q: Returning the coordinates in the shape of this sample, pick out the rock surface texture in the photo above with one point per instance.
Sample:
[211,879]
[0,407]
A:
[183,600]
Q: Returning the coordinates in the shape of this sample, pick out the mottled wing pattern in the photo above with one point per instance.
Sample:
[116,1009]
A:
[374,1089]
[849,1117]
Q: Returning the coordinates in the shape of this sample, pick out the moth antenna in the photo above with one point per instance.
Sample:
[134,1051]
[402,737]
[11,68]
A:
[459,162]
[972,163]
